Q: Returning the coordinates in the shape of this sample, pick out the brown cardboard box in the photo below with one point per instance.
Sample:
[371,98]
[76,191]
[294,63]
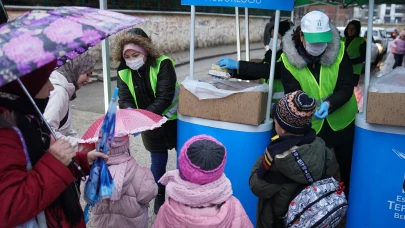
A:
[386,108]
[386,99]
[246,108]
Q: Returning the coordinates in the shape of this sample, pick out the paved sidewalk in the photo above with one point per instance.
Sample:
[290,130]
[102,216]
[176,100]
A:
[82,120]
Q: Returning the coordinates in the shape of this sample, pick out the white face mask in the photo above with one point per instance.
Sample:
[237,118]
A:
[278,47]
[135,64]
[315,49]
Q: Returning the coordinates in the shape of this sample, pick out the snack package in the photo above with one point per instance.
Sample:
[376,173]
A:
[216,71]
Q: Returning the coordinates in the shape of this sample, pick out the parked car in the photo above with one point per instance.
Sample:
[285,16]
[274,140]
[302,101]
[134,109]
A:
[379,35]
[392,33]
[378,22]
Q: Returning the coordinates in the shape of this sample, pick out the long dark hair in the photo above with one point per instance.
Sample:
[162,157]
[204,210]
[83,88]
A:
[296,36]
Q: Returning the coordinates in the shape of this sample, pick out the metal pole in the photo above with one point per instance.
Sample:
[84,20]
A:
[247,34]
[237,33]
[105,52]
[192,37]
[273,64]
[292,16]
[368,55]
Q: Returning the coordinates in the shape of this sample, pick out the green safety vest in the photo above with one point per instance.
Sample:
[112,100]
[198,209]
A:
[278,89]
[126,76]
[341,117]
[353,50]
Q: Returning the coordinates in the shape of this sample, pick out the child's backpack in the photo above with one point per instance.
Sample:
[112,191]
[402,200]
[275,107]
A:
[321,204]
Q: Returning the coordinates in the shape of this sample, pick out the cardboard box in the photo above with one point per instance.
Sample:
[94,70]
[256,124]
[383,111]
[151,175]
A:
[245,108]
[386,108]
[386,99]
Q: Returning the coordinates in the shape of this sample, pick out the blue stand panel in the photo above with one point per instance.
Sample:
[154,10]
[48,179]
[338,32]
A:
[377,198]
[243,149]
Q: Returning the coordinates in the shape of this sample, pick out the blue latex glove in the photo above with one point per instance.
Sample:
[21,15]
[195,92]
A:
[322,112]
[228,64]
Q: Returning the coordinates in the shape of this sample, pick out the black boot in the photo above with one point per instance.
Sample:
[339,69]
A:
[159,200]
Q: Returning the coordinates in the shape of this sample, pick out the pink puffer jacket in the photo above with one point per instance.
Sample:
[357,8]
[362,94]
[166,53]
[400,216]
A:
[129,205]
[231,215]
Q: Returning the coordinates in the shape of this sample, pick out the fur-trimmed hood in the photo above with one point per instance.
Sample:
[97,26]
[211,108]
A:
[327,58]
[127,38]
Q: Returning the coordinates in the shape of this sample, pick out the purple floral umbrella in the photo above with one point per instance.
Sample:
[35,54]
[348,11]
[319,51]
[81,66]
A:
[38,37]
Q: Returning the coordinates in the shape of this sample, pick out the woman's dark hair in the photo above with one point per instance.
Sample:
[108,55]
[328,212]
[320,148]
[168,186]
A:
[296,35]
[356,24]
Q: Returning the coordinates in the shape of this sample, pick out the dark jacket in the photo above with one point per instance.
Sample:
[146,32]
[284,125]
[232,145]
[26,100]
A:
[344,85]
[165,137]
[253,71]
[274,198]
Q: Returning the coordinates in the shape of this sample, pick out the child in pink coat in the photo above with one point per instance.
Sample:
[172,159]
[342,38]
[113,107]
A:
[398,49]
[200,195]
[134,186]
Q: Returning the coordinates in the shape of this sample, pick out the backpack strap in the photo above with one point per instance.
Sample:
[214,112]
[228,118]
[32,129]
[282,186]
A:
[303,166]
[64,120]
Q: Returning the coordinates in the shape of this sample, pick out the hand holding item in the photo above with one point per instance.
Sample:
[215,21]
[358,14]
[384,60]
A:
[228,63]
[93,155]
[63,151]
[323,111]
[86,147]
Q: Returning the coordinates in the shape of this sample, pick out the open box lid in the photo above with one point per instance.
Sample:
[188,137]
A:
[219,88]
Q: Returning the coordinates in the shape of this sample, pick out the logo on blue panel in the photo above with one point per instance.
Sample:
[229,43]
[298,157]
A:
[399,154]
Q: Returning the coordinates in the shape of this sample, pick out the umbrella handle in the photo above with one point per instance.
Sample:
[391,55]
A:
[83,175]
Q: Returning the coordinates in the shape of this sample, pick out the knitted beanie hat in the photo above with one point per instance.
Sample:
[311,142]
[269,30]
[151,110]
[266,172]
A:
[202,160]
[294,112]
[119,146]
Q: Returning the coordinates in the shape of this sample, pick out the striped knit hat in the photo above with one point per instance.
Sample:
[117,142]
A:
[294,112]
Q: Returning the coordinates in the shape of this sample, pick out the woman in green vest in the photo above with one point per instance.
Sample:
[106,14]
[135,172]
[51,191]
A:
[246,70]
[147,80]
[315,61]
[355,48]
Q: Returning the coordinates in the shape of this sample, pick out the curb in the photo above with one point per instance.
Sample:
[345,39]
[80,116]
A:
[184,62]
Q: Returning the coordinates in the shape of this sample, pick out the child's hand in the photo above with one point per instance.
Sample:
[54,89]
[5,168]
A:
[86,147]
[93,155]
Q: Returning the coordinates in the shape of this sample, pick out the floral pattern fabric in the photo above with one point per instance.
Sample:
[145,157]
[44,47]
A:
[329,206]
[38,37]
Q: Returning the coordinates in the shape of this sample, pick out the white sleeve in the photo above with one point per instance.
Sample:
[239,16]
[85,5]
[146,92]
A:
[56,110]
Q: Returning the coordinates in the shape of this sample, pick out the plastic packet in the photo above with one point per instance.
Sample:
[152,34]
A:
[216,71]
